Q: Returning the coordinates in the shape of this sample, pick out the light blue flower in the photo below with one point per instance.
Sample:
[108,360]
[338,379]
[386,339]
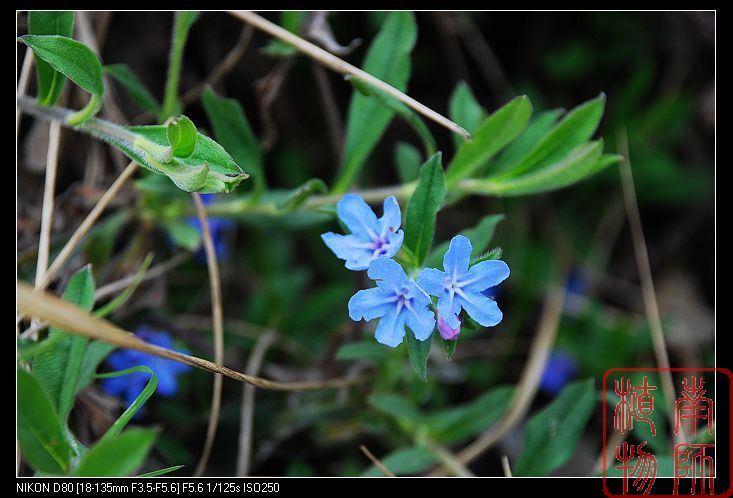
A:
[460,287]
[370,238]
[397,301]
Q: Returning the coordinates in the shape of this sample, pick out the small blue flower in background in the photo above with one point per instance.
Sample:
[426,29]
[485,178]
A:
[370,238]
[130,386]
[218,227]
[559,370]
[576,288]
[397,301]
[460,287]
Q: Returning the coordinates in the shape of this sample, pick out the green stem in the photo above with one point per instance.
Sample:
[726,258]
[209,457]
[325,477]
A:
[181,26]
[92,108]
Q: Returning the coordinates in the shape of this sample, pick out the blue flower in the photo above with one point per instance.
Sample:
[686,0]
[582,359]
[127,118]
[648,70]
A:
[130,386]
[560,368]
[460,287]
[370,238]
[447,332]
[218,228]
[397,301]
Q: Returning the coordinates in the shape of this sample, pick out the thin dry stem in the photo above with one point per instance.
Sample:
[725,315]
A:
[25,78]
[87,224]
[645,276]
[74,320]
[217,318]
[383,468]
[342,67]
[248,402]
[52,161]
[505,466]
[224,67]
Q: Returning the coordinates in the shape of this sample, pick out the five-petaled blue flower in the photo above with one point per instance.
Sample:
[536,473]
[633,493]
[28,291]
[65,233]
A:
[218,227]
[397,301]
[461,287]
[370,238]
[130,386]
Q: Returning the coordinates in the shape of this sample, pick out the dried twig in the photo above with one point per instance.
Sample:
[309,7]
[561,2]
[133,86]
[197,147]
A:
[52,161]
[342,67]
[383,468]
[87,224]
[217,318]
[74,320]
[248,403]
[645,276]
[505,466]
[223,67]
[25,78]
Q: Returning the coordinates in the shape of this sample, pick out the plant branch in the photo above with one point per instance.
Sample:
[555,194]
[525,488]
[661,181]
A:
[52,161]
[383,468]
[217,319]
[340,66]
[74,320]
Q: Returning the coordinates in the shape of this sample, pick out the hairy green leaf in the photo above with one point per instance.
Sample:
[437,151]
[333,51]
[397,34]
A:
[423,208]
[480,237]
[407,158]
[119,456]
[50,81]
[418,351]
[465,110]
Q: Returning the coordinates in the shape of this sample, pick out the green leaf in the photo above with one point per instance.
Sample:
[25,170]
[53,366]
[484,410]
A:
[405,461]
[209,169]
[493,135]
[298,196]
[117,457]
[407,158]
[465,110]
[364,350]
[570,133]
[134,87]
[555,431]
[233,131]
[495,253]
[140,400]
[396,406]
[183,234]
[58,367]
[449,347]
[404,112]
[182,135]
[480,237]
[161,472]
[526,142]
[40,432]
[457,424]
[388,59]
[50,81]
[584,161]
[96,352]
[423,208]
[77,62]
[418,352]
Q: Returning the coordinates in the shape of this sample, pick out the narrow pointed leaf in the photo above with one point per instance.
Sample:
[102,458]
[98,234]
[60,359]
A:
[423,208]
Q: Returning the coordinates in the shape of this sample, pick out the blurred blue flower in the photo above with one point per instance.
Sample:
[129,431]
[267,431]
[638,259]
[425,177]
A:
[576,288]
[460,287]
[559,370]
[397,301]
[130,386]
[370,238]
[218,227]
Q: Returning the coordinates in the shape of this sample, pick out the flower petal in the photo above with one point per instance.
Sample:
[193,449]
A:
[394,242]
[449,311]
[391,328]
[387,270]
[358,216]
[391,216]
[458,257]
[167,384]
[485,274]
[432,281]
[371,303]
[422,322]
[350,248]
[482,309]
